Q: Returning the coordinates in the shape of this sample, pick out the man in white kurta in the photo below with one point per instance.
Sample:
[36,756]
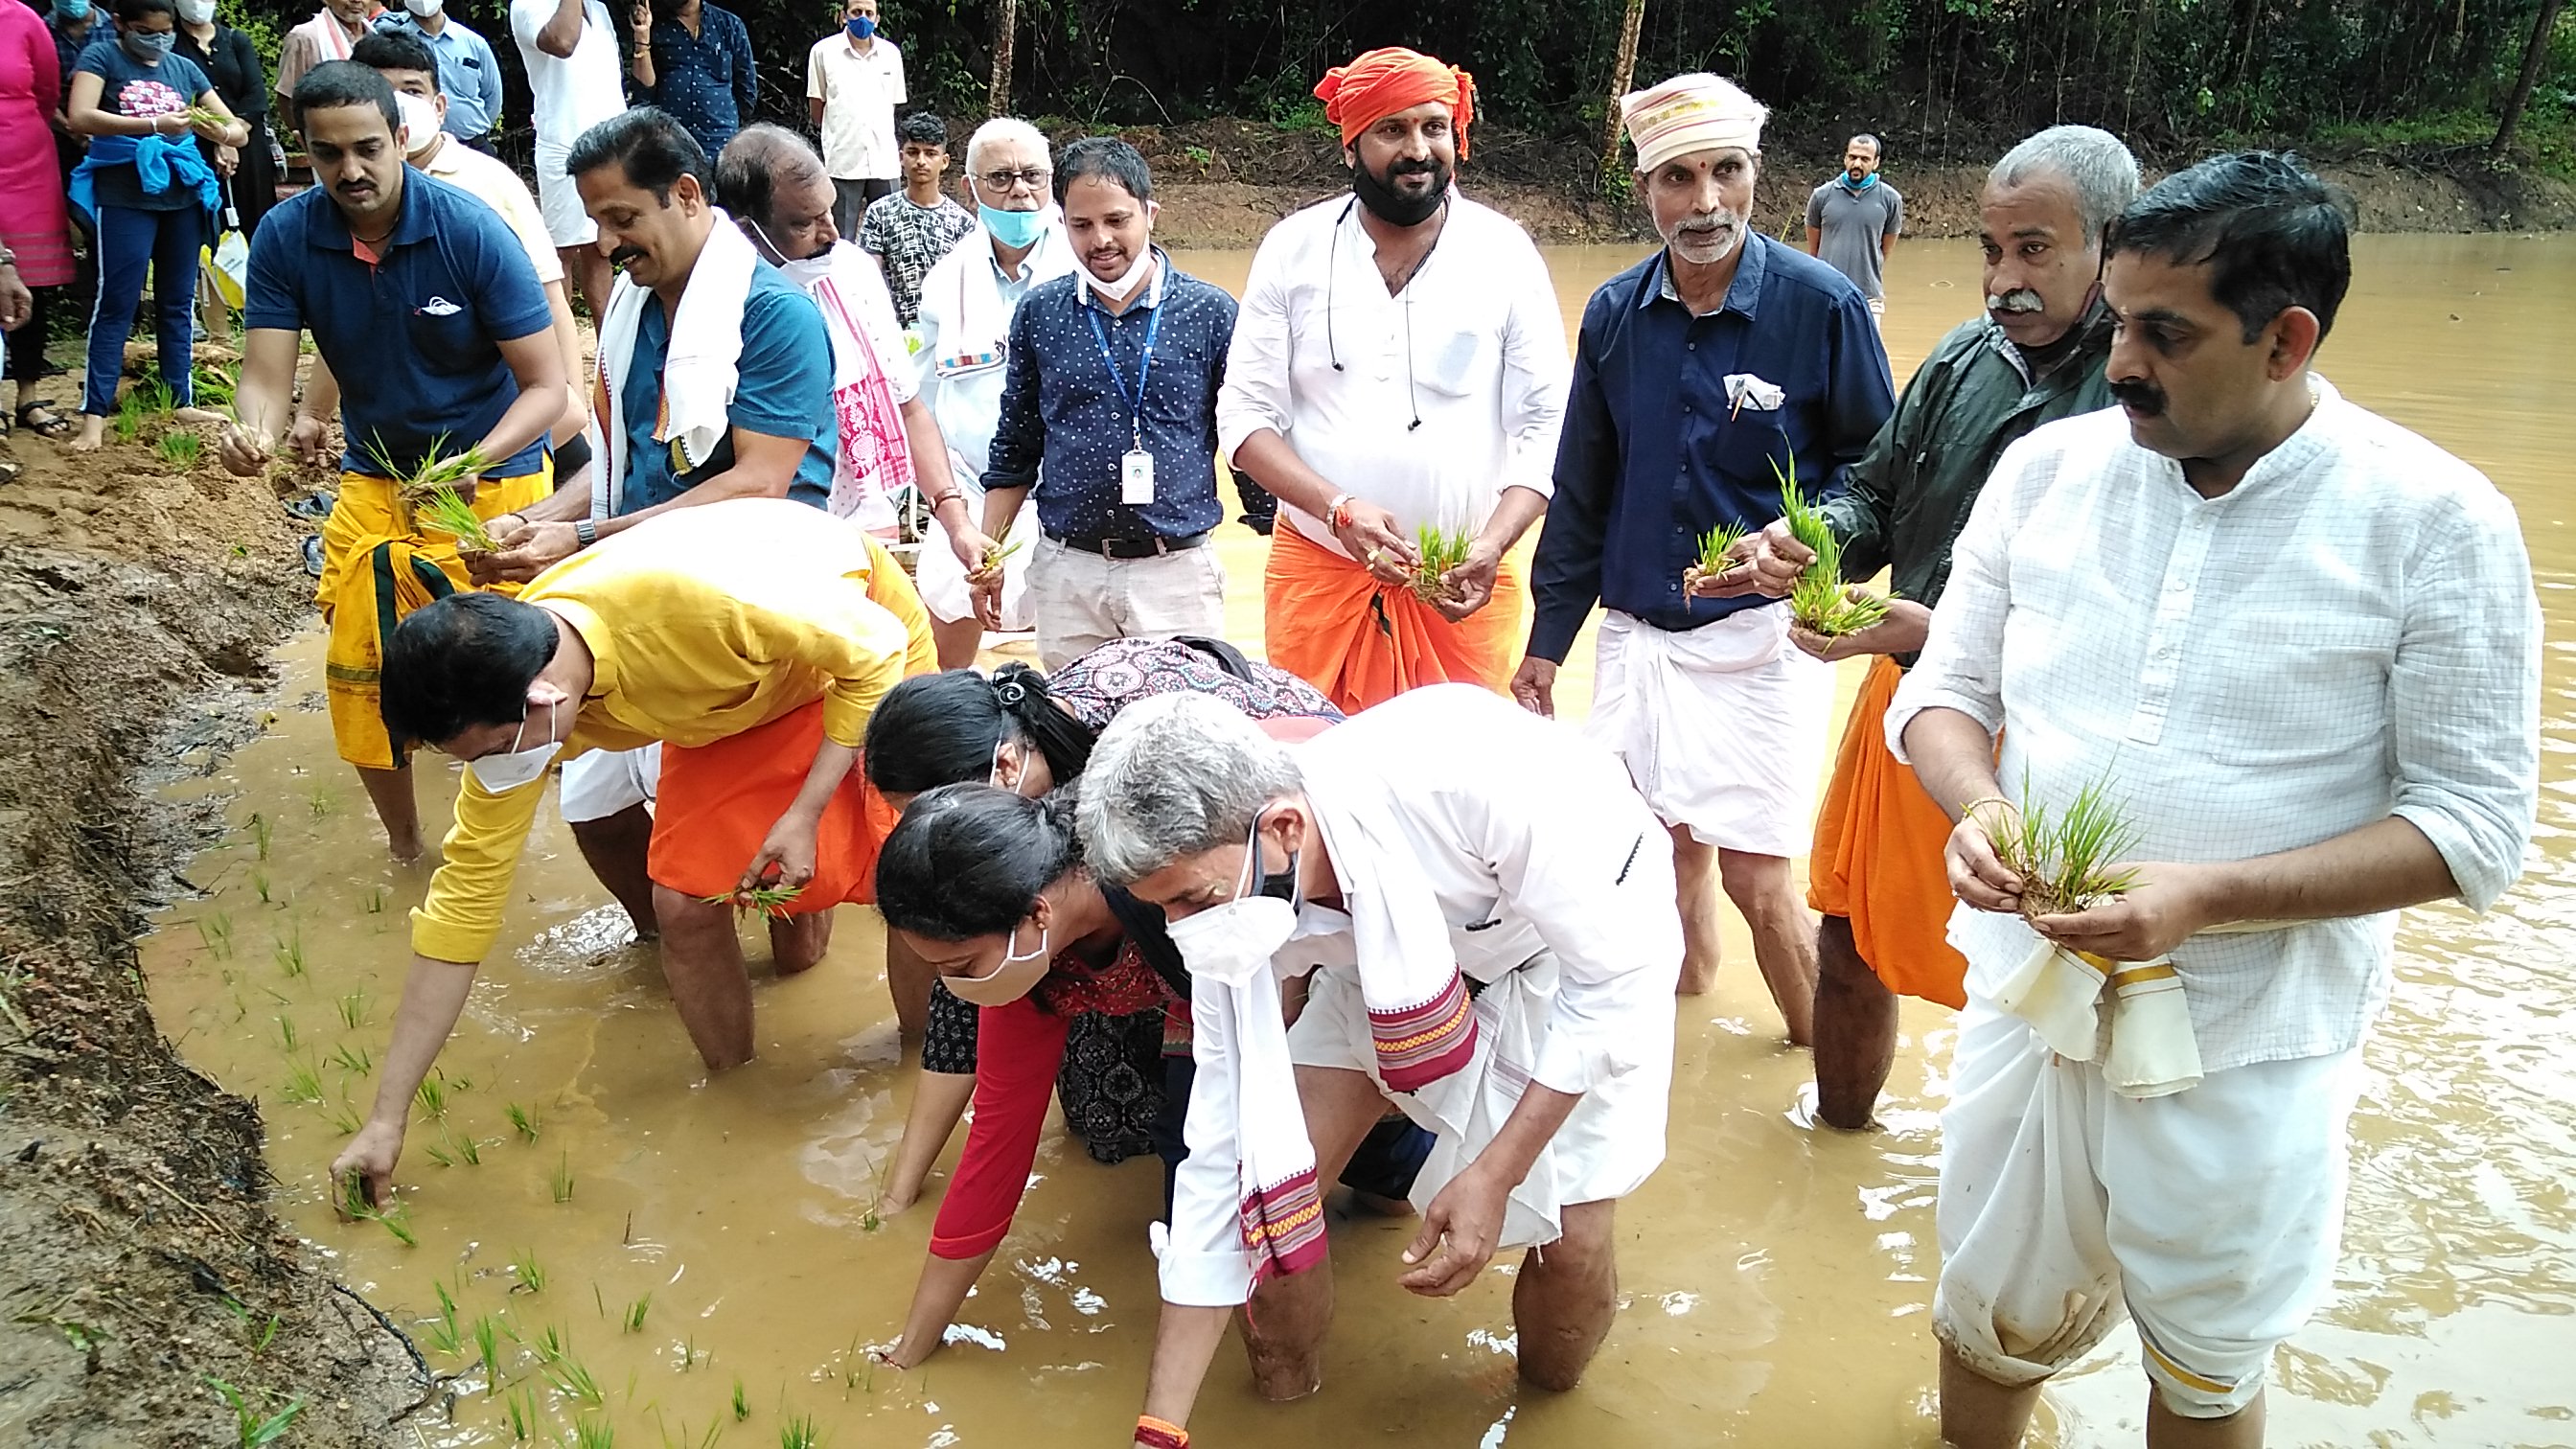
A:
[1485,904]
[2297,645]
[965,328]
[1398,362]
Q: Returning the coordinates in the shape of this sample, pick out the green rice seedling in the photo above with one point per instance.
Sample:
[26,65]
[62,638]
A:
[259,883]
[267,1335]
[374,900]
[1001,548]
[593,1434]
[204,116]
[353,1059]
[688,1353]
[523,1414]
[260,833]
[133,411]
[799,1434]
[573,1381]
[345,1119]
[303,1084]
[320,802]
[216,931]
[353,1011]
[398,1222]
[443,1333]
[551,1345]
[211,386]
[466,1149]
[446,511]
[180,449]
[2066,855]
[433,492]
[531,1273]
[1713,547]
[523,1121]
[1818,601]
[286,1032]
[487,1352]
[563,1178]
[439,1154]
[741,1404]
[715,1431]
[290,952]
[253,1425]
[432,1095]
[1439,550]
[635,1312]
[767,900]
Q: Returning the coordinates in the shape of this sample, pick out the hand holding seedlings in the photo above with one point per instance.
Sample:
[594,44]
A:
[1906,625]
[245,453]
[1437,552]
[1819,601]
[767,900]
[1722,550]
[370,1157]
[1370,534]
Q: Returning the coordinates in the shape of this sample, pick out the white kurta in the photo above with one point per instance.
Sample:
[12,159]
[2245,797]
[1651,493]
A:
[1555,882]
[1473,346]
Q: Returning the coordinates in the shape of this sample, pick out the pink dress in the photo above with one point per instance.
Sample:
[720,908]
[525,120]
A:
[31,188]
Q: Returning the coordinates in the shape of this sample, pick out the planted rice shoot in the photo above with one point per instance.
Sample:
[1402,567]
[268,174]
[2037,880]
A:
[2067,856]
[1438,550]
[799,1433]
[531,1274]
[593,1434]
[635,1312]
[286,1033]
[260,833]
[303,1084]
[523,1121]
[1819,601]
[432,1096]
[181,450]
[574,1381]
[487,1352]
[216,931]
[551,1345]
[765,900]
[741,1404]
[353,1011]
[356,1060]
[345,1119]
[562,1183]
[523,1414]
[253,1425]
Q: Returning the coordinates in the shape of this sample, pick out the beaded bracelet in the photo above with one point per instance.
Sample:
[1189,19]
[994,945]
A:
[1160,1434]
[1338,513]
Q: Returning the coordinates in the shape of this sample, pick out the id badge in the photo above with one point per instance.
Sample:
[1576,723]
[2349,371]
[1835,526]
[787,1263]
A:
[1136,477]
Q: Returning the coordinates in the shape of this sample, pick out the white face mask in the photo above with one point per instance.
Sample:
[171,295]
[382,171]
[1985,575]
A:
[1231,942]
[424,8]
[1125,287]
[420,118]
[1009,981]
[196,12]
[518,766]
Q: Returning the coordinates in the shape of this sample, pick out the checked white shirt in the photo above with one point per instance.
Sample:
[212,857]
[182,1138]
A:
[2348,633]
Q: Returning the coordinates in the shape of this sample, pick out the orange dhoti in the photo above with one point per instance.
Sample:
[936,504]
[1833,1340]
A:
[1878,856]
[1331,623]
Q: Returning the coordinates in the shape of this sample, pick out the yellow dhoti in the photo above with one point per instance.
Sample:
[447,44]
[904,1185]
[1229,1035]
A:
[378,565]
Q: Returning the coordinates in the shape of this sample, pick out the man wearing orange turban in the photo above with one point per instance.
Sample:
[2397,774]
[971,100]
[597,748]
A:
[1398,364]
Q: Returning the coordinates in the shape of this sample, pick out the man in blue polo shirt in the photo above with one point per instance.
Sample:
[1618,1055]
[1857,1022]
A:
[424,304]
[1110,380]
[1700,374]
[715,382]
[468,75]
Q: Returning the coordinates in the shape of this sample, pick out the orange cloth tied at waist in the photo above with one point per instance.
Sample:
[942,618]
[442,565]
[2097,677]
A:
[1878,856]
[378,566]
[717,803]
[1383,82]
[1331,623]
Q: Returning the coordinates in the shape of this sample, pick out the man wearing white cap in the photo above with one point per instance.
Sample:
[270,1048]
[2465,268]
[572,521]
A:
[1703,376]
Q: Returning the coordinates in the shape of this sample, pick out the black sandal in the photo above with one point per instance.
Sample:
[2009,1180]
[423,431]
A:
[37,416]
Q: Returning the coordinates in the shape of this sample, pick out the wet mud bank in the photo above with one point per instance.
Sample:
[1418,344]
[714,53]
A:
[146,1284]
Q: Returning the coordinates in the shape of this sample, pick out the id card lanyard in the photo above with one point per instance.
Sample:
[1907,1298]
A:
[1136,468]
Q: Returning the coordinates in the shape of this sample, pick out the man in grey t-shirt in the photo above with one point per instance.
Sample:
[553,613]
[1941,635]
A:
[1853,220]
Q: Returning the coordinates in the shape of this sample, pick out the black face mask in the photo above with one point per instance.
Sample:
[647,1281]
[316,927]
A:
[1393,207]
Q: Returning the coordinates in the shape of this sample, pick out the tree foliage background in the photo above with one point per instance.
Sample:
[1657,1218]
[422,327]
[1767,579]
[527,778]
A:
[1944,73]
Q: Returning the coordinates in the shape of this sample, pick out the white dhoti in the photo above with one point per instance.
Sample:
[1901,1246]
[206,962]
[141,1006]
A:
[607,782]
[2212,1216]
[1610,1144]
[1724,727]
[941,579]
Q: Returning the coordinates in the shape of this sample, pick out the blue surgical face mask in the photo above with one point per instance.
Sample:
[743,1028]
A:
[861,27]
[1012,228]
[72,9]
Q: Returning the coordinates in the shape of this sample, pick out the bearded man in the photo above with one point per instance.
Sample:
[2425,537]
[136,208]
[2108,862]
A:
[1398,363]
[1705,375]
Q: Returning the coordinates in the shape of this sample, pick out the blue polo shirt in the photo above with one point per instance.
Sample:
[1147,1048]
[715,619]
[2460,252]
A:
[467,71]
[784,390]
[414,337]
[1654,453]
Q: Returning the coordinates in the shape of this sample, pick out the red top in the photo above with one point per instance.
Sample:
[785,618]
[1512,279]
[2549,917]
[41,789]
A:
[1018,1050]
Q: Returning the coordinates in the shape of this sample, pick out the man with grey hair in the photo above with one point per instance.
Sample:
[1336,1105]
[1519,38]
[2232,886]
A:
[967,302]
[2035,356]
[774,184]
[1485,905]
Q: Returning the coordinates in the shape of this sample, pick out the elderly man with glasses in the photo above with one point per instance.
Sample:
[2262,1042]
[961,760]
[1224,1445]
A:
[967,302]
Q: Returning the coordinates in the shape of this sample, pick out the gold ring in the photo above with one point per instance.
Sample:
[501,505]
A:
[1376,556]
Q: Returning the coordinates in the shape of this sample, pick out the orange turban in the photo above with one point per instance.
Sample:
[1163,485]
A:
[1383,82]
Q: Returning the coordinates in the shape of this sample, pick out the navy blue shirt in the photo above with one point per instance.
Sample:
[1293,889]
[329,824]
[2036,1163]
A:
[1061,405]
[784,391]
[706,81]
[1653,454]
[414,337]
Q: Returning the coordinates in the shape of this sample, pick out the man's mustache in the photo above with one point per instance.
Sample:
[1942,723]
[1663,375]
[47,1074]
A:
[625,256]
[2020,299]
[2143,398]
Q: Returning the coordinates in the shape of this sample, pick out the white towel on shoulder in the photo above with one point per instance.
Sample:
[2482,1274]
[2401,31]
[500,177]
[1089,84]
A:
[700,365]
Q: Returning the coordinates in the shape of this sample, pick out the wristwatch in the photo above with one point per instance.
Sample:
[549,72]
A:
[585,532]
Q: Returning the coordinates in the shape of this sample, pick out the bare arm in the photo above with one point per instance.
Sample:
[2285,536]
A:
[928,447]
[433,997]
[561,33]
[642,68]
[939,1102]
[763,467]
[1366,528]
[814,112]
[1465,1221]
[261,400]
[567,335]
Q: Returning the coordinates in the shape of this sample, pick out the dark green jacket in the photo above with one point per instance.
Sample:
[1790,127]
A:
[1909,495]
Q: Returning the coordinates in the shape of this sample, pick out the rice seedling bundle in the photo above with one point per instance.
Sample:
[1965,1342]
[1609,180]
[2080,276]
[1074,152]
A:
[434,492]
[2068,856]
[1713,548]
[181,450]
[1438,550]
[767,900]
[1001,548]
[1819,601]
[205,116]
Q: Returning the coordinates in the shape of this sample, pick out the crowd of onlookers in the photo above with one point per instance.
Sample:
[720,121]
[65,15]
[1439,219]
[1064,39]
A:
[138,136]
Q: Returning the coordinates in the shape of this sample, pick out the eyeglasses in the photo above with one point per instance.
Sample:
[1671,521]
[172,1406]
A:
[1035,178]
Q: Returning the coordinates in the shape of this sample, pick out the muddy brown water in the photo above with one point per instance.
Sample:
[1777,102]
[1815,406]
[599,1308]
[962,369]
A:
[1775,1278]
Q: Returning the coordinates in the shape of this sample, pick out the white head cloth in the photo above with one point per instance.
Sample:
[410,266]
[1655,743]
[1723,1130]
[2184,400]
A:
[1696,112]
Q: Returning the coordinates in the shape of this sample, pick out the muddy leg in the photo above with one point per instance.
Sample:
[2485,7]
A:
[796,943]
[2169,1430]
[1855,1029]
[958,640]
[390,790]
[1784,935]
[1695,881]
[1283,1326]
[1977,1412]
[1565,1297]
[702,959]
[908,980]
[615,847]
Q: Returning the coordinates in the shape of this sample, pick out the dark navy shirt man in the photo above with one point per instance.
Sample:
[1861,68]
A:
[1109,411]
[694,61]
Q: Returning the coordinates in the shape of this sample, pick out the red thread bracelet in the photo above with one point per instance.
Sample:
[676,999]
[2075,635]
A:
[1158,1434]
